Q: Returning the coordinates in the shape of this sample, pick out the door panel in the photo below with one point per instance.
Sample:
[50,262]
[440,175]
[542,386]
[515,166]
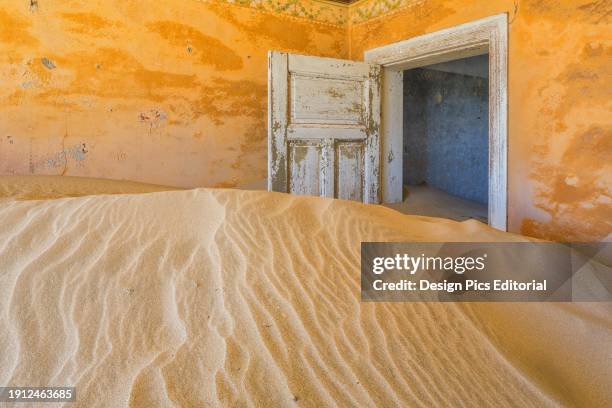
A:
[349,161]
[323,130]
[305,168]
[318,100]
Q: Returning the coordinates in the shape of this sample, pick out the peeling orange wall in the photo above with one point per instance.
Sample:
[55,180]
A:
[167,92]
[174,92]
[560,128]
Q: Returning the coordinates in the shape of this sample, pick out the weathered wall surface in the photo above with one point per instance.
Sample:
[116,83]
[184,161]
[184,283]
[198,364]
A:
[560,137]
[446,132]
[155,91]
[176,94]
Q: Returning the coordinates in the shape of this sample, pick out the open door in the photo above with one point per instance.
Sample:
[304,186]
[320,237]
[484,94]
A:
[323,127]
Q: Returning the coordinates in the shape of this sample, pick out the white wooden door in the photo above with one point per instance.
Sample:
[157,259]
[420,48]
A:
[323,127]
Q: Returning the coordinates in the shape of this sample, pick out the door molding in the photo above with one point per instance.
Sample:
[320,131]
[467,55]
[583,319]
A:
[488,35]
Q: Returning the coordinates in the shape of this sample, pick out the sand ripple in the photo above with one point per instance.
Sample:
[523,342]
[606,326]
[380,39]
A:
[229,298]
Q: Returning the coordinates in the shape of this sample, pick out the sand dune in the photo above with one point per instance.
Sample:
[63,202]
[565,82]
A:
[236,298]
[45,187]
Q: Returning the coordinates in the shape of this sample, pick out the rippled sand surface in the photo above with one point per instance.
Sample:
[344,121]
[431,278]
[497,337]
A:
[236,298]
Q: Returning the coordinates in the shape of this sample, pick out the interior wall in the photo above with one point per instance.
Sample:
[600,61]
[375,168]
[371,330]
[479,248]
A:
[560,139]
[176,95]
[166,92]
[446,133]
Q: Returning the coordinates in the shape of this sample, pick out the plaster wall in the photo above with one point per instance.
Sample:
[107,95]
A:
[560,129]
[446,132]
[477,66]
[167,92]
[176,94]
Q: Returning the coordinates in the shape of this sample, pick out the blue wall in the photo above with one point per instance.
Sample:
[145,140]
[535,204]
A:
[446,132]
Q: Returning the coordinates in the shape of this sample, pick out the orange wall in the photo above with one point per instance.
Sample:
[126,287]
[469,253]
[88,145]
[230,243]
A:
[560,139]
[174,92]
[168,92]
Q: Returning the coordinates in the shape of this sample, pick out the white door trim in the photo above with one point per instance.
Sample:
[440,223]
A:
[475,38]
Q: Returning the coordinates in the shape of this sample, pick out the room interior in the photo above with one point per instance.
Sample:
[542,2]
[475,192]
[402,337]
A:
[150,253]
[184,102]
[446,139]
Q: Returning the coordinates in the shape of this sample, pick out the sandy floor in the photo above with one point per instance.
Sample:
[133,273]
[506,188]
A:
[423,200]
[429,201]
[233,298]
[45,187]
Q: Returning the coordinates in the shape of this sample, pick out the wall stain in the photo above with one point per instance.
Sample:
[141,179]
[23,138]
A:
[47,63]
[14,30]
[35,71]
[514,12]
[223,98]
[577,195]
[59,160]
[154,118]
[586,78]
[393,27]
[570,166]
[88,23]
[253,150]
[210,50]
[28,84]
[123,76]
[598,11]
[281,32]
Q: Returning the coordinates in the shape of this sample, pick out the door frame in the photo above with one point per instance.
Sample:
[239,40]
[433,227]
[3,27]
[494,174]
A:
[487,35]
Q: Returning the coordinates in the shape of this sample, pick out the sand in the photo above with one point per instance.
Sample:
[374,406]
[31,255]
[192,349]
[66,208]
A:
[45,187]
[236,298]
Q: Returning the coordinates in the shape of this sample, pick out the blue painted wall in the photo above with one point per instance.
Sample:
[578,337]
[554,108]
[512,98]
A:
[446,132]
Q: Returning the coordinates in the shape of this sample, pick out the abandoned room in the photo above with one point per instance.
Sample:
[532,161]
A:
[187,186]
[445,137]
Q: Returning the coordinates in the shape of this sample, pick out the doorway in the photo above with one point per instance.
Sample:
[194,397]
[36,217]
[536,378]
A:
[487,37]
[445,139]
